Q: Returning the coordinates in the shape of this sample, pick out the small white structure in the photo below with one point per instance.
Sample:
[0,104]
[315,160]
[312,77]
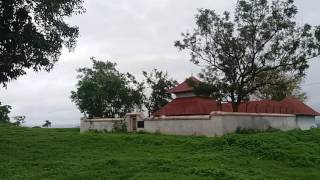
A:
[133,122]
[98,124]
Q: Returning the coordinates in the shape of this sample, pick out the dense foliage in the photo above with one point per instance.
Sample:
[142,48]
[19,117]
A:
[284,86]
[32,34]
[4,113]
[65,154]
[102,91]
[243,54]
[159,83]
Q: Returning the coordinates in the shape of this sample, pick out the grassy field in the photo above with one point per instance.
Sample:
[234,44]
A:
[66,154]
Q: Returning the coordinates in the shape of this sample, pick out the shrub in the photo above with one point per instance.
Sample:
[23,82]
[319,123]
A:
[120,126]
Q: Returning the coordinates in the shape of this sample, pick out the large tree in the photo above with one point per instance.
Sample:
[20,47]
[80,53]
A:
[102,91]
[240,54]
[4,113]
[32,34]
[159,83]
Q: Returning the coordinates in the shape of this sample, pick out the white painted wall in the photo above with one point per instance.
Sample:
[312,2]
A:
[231,122]
[219,123]
[107,124]
[215,124]
[306,122]
[318,121]
[182,125]
[103,124]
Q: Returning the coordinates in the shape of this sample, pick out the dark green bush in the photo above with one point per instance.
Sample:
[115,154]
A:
[120,126]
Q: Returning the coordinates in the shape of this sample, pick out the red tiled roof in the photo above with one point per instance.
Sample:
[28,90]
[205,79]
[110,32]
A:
[299,107]
[289,105]
[188,106]
[200,106]
[183,87]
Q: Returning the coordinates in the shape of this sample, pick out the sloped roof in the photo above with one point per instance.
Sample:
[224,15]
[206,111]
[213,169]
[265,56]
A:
[299,107]
[263,106]
[188,106]
[289,105]
[183,87]
[202,106]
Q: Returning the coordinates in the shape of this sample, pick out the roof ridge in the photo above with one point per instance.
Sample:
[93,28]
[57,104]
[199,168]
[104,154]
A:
[184,86]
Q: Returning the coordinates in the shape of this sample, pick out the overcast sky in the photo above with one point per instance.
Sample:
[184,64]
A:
[137,35]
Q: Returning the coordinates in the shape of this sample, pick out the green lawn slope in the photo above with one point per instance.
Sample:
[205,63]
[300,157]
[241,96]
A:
[27,153]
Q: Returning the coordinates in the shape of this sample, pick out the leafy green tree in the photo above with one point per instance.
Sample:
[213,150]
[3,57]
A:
[4,113]
[282,87]
[102,91]
[159,83]
[32,34]
[240,54]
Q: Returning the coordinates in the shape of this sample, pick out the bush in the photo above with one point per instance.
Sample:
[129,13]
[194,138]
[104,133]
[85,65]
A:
[120,126]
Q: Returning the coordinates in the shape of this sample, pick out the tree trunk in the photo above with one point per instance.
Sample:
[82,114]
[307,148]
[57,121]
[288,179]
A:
[235,106]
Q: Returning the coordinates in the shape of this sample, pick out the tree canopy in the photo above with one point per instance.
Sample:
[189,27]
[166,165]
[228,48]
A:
[284,86]
[159,83]
[32,34]
[102,91]
[240,55]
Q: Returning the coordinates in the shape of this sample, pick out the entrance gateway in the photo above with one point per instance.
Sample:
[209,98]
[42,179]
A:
[135,122]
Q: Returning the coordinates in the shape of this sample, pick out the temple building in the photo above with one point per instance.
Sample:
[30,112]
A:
[189,114]
[187,103]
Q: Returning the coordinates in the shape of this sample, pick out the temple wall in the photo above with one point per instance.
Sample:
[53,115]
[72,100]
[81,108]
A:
[220,123]
[101,124]
[231,122]
[318,121]
[215,124]
[182,125]
[305,122]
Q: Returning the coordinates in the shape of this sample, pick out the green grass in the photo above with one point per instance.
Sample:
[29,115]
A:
[66,154]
